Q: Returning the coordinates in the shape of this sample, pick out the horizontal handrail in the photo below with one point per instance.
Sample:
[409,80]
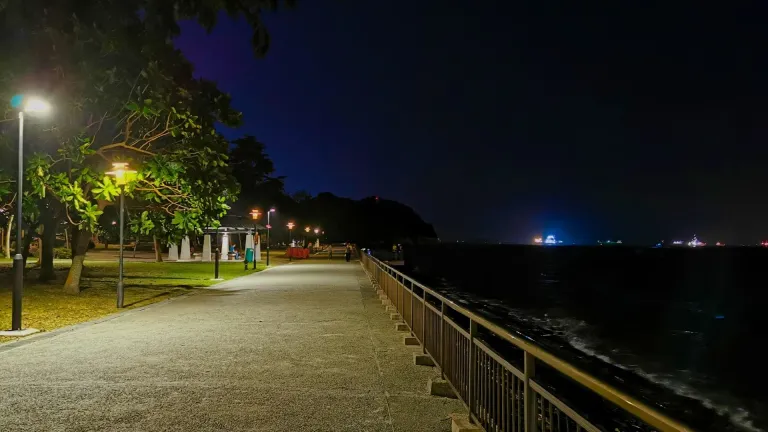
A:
[649,415]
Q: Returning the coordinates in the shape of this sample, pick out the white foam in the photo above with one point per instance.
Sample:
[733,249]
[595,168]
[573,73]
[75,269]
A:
[574,332]
[737,415]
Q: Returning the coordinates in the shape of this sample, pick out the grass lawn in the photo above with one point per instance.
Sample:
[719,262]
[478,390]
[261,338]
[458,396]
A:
[47,307]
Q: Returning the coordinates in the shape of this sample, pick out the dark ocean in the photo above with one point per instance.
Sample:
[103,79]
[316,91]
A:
[682,329]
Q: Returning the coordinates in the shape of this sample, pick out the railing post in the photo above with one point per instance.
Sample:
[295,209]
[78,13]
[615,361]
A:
[529,398]
[399,293]
[412,300]
[472,366]
[442,344]
[423,320]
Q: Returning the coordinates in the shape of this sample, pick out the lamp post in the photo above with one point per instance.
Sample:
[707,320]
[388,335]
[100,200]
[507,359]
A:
[269,227]
[32,106]
[120,172]
[317,236]
[255,215]
[307,229]
[290,235]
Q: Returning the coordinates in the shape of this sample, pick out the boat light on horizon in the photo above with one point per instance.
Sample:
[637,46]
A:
[695,242]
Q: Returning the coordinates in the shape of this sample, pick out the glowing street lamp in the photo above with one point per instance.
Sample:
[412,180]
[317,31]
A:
[290,239]
[38,107]
[255,215]
[269,227]
[121,172]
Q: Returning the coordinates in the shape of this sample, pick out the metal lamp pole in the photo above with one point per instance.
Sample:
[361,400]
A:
[34,106]
[18,259]
[255,216]
[290,235]
[268,228]
[120,171]
[120,291]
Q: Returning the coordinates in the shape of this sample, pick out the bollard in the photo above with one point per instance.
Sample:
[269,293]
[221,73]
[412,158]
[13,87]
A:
[216,265]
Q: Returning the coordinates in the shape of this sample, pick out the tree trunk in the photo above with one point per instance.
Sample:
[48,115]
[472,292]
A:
[80,246]
[158,249]
[39,251]
[66,237]
[73,242]
[26,242]
[48,239]
[8,238]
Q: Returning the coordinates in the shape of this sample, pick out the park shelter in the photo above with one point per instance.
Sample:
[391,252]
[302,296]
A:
[234,230]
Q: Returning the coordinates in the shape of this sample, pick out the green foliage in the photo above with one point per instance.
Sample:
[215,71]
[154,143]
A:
[62,253]
[6,195]
[125,94]
[106,189]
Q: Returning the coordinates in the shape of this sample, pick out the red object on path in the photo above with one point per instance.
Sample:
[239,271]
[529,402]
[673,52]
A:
[297,252]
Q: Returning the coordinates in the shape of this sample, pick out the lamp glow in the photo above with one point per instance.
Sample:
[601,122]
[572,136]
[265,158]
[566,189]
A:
[37,106]
[121,172]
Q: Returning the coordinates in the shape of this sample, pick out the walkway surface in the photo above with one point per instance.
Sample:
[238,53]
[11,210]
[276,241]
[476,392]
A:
[304,347]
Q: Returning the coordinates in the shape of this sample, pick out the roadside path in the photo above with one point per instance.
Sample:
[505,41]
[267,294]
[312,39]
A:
[296,348]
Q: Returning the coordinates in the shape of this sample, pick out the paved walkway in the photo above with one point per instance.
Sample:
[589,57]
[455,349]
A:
[297,348]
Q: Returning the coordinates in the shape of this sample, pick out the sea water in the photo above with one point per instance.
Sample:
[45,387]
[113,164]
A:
[681,329]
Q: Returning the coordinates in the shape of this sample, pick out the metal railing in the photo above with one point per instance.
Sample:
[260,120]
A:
[493,371]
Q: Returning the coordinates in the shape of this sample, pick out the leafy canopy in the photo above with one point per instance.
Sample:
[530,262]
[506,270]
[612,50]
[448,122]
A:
[121,94]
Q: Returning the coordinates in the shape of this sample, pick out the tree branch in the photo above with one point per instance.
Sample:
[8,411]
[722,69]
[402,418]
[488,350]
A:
[125,146]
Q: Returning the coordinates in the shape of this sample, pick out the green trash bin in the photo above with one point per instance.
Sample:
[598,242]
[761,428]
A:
[249,255]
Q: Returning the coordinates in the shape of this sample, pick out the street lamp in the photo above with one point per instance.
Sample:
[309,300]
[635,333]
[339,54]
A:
[290,239]
[255,215]
[121,171]
[290,231]
[317,236]
[269,227]
[33,106]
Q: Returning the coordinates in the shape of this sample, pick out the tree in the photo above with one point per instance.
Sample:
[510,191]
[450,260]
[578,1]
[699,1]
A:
[255,172]
[129,97]
[301,196]
[110,67]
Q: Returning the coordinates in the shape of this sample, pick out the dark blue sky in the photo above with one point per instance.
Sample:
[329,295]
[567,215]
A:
[501,120]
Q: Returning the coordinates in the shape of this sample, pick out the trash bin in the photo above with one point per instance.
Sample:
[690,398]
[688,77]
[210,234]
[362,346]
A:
[249,255]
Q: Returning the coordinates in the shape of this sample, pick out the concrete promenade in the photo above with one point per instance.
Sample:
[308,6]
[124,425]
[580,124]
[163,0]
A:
[301,347]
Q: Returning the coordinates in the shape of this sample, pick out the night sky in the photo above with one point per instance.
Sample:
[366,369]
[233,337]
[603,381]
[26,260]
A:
[503,120]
